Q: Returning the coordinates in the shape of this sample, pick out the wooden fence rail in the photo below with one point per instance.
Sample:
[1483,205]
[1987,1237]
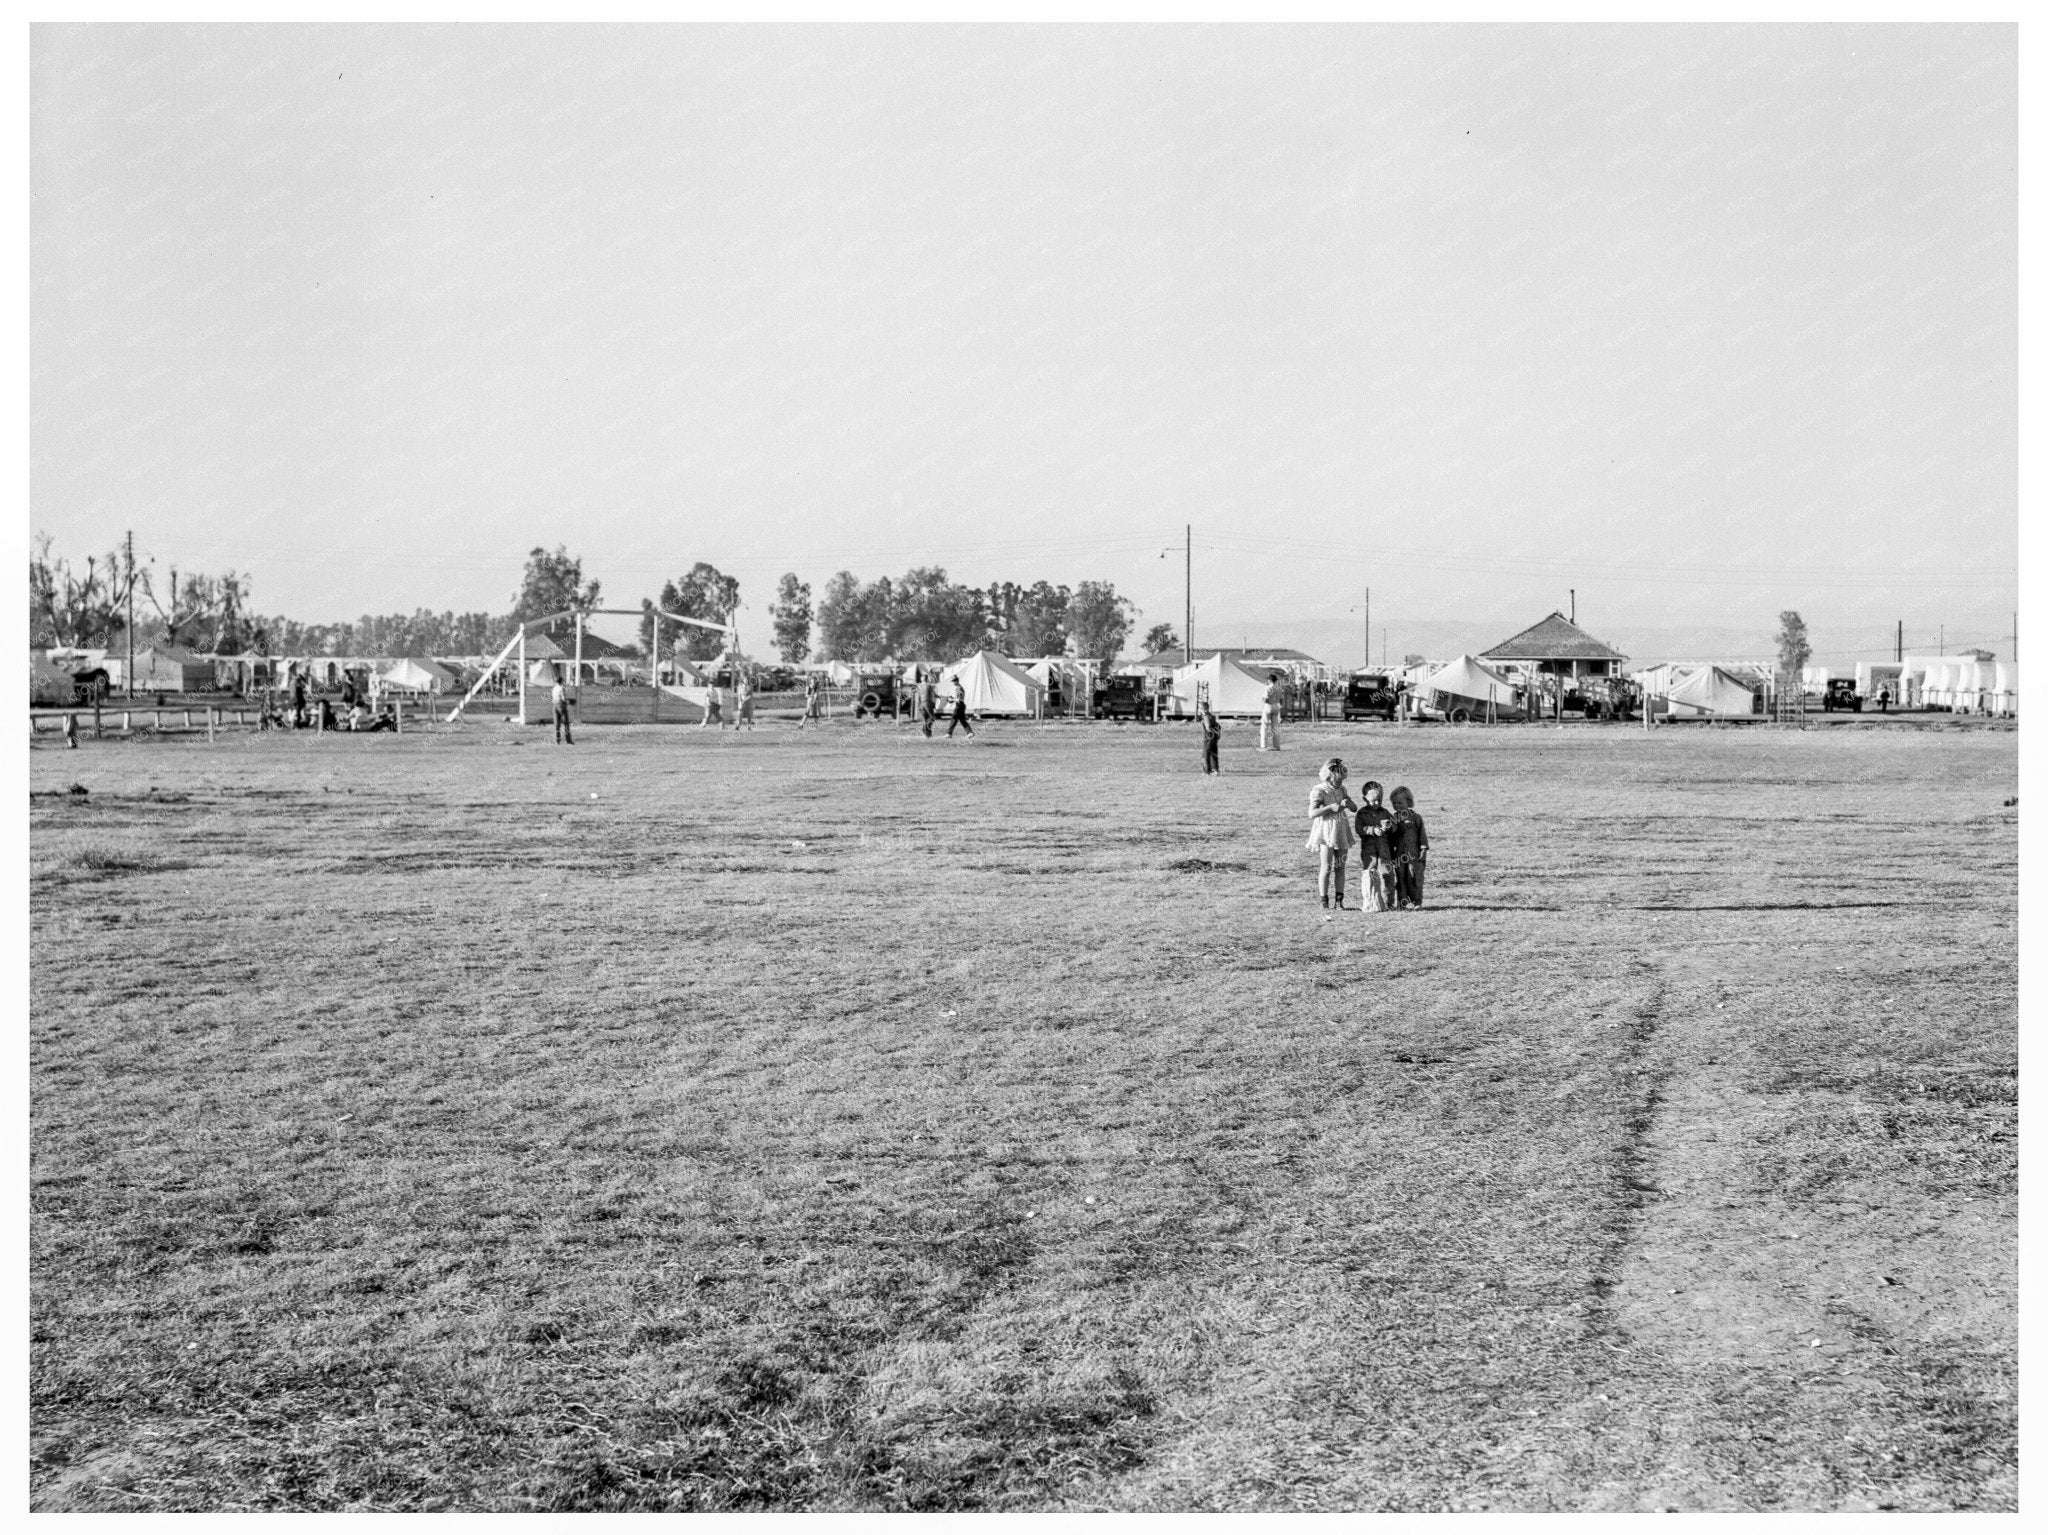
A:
[123,720]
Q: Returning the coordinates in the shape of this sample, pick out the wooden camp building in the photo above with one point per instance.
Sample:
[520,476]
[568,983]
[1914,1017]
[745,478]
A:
[1559,650]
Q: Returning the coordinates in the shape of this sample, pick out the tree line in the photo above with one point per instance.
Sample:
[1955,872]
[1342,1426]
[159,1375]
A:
[921,614]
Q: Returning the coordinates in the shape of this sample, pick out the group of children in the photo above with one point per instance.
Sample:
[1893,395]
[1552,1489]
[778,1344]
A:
[1393,844]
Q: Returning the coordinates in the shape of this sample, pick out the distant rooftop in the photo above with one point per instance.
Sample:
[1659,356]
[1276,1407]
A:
[1557,638]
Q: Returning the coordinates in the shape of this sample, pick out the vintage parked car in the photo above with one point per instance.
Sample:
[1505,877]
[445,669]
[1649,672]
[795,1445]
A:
[874,693]
[1370,694]
[90,685]
[1842,694]
[1124,698]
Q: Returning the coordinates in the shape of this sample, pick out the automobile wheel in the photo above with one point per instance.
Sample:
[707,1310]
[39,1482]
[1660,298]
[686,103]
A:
[871,700]
[1461,716]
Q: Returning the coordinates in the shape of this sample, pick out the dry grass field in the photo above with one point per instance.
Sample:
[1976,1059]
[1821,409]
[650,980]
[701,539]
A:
[846,1120]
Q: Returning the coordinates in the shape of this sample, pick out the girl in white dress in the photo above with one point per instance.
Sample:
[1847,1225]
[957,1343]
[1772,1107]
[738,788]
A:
[1330,836]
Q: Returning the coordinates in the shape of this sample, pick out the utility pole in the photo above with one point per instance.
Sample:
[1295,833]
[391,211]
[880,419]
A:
[1187,623]
[128,676]
[1575,604]
[1899,644]
[1941,646]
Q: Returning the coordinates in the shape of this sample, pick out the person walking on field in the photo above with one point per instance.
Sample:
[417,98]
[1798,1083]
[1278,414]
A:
[1212,739]
[559,697]
[1330,836]
[1376,875]
[1408,840]
[959,719]
[714,709]
[813,691]
[743,692]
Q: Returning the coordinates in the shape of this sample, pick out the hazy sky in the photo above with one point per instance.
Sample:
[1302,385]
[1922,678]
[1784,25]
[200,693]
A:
[1705,322]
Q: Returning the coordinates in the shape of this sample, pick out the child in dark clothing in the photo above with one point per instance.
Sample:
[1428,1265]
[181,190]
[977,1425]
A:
[1408,840]
[1376,868]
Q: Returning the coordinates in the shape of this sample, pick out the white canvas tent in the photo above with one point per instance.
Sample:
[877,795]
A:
[1975,681]
[1465,685]
[2005,688]
[993,684]
[1232,689]
[411,676]
[840,672]
[1711,693]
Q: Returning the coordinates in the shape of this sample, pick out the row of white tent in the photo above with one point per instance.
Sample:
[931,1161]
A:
[1965,684]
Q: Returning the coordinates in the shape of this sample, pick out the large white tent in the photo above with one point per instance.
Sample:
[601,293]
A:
[1232,689]
[993,684]
[1466,685]
[414,676]
[1711,692]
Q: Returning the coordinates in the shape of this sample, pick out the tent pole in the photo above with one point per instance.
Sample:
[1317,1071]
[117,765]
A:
[521,679]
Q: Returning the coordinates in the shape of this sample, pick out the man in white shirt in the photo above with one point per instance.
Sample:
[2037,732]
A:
[559,696]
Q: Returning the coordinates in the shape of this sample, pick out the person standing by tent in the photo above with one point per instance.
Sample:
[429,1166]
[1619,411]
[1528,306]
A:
[714,708]
[928,702]
[1330,836]
[743,695]
[1408,839]
[559,697]
[1269,719]
[1376,875]
[813,692]
[1884,700]
[300,719]
[1212,739]
[959,718]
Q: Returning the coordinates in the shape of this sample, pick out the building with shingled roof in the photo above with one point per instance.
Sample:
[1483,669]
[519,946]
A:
[1558,647]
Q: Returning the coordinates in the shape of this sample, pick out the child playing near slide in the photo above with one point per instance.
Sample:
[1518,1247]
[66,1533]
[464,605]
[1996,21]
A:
[1330,835]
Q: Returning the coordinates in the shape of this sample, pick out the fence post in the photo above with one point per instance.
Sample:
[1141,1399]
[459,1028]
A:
[209,724]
